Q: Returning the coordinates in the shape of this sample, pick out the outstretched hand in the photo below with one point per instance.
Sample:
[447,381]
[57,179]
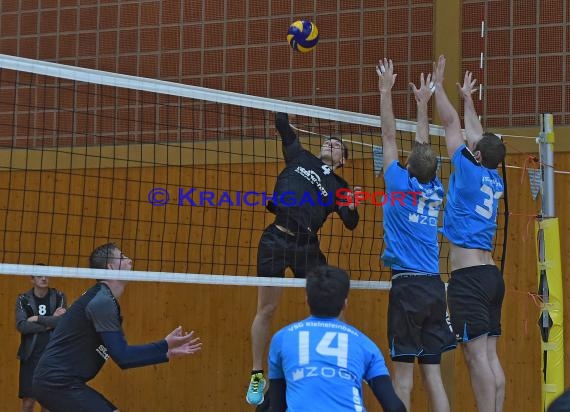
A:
[182,343]
[425,91]
[468,87]
[438,71]
[386,76]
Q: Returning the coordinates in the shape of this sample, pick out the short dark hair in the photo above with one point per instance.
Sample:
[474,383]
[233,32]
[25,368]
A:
[422,162]
[492,150]
[101,256]
[345,151]
[327,289]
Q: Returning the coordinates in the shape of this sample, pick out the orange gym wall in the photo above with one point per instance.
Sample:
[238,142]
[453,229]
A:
[215,380]
[209,43]
[240,46]
[236,45]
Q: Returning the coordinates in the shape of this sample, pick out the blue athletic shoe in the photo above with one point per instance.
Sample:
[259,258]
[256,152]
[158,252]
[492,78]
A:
[255,391]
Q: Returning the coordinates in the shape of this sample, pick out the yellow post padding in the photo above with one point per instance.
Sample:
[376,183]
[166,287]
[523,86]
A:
[552,309]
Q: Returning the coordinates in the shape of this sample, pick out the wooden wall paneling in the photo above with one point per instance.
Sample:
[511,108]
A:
[216,378]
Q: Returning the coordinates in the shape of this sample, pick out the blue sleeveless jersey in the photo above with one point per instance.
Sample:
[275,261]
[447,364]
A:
[470,215]
[323,362]
[410,224]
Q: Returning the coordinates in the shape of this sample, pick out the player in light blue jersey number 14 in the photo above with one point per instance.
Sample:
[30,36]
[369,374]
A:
[476,287]
[318,364]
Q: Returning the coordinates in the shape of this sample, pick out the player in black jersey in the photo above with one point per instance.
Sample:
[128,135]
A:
[90,332]
[38,312]
[306,193]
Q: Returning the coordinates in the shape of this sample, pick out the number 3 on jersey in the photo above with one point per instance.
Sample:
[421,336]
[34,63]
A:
[324,347]
[487,209]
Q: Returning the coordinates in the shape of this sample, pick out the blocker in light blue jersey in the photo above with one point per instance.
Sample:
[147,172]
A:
[470,216]
[411,215]
[323,361]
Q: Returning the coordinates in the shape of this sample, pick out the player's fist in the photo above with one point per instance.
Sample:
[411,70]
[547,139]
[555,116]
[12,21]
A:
[357,198]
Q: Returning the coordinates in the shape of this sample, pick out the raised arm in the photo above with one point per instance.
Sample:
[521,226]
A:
[473,128]
[386,79]
[447,112]
[291,145]
[282,125]
[422,95]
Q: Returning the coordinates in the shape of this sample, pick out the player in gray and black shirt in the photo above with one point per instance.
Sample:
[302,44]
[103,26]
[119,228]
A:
[90,332]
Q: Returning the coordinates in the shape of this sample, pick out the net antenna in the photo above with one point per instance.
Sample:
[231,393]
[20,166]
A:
[177,175]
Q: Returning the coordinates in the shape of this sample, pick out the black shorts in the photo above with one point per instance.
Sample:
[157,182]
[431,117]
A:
[475,296]
[27,368]
[76,397]
[278,251]
[417,318]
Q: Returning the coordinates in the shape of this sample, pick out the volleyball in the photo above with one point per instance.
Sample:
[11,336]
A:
[303,36]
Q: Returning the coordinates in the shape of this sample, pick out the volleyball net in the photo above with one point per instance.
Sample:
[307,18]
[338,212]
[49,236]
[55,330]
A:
[177,176]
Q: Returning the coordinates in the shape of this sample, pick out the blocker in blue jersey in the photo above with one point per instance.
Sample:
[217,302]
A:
[476,287]
[417,307]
